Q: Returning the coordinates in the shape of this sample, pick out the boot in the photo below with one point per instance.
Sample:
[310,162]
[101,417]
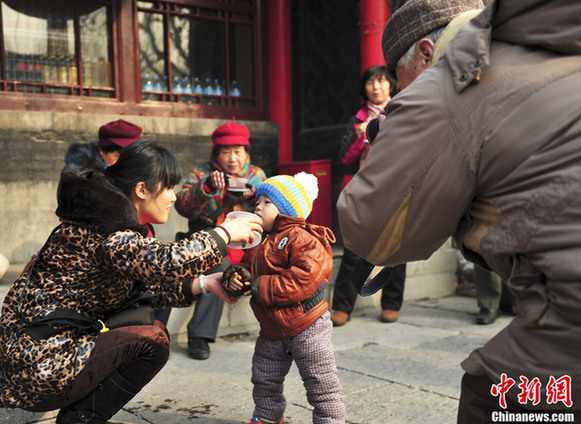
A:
[101,404]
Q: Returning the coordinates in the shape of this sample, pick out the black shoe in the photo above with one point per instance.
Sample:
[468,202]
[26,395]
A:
[486,316]
[198,348]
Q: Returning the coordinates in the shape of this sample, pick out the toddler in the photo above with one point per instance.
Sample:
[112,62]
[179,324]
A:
[287,276]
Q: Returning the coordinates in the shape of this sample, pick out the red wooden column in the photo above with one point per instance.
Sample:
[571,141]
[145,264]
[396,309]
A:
[374,15]
[280,75]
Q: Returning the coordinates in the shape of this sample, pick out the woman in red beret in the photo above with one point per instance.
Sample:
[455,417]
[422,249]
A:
[208,194]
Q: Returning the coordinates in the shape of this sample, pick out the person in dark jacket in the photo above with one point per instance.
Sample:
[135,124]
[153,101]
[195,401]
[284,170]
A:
[288,275]
[113,136]
[374,89]
[55,348]
[487,132]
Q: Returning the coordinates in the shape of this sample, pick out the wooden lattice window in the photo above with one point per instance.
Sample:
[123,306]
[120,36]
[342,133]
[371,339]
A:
[57,47]
[199,52]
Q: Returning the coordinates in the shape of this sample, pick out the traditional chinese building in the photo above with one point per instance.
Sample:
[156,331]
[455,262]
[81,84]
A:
[289,70]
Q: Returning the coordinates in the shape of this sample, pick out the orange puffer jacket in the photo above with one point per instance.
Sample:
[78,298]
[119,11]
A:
[292,268]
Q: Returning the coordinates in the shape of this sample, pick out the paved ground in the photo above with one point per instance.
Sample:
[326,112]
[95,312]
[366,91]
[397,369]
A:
[405,372]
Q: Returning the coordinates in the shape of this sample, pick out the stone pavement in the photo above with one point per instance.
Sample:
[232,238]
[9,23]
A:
[407,372]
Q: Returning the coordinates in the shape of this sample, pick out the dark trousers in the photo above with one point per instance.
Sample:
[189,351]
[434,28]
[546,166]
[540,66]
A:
[345,292]
[207,312]
[489,291]
[488,288]
[136,352]
[476,402]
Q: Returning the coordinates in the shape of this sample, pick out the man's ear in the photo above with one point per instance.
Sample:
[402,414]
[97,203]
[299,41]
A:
[140,190]
[426,50]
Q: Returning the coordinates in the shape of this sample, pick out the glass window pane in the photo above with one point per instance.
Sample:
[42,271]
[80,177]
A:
[39,42]
[205,66]
[180,39]
[243,2]
[209,12]
[152,52]
[241,17]
[95,45]
[145,4]
[190,10]
[241,60]
[198,52]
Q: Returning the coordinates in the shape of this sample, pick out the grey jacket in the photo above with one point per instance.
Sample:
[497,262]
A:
[488,148]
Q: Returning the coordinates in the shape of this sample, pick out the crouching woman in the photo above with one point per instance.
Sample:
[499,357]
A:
[56,350]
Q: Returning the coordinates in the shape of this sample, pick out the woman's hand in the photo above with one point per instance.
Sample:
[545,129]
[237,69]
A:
[361,129]
[240,229]
[213,284]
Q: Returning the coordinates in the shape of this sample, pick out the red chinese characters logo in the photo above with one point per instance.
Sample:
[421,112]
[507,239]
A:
[529,391]
[557,390]
[501,388]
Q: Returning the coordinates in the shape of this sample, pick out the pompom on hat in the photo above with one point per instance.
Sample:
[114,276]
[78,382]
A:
[415,19]
[231,134]
[293,196]
[120,133]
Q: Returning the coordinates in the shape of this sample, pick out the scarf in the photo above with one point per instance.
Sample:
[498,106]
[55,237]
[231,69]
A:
[374,110]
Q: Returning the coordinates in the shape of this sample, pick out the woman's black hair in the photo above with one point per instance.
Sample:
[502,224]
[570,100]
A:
[374,71]
[144,161]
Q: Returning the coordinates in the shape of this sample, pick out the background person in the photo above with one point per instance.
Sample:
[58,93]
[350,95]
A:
[374,89]
[113,136]
[204,200]
[52,355]
[289,275]
[488,141]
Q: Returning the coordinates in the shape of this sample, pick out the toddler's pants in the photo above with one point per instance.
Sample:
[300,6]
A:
[313,352]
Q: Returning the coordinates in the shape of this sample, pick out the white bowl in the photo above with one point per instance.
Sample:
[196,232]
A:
[237,183]
[257,235]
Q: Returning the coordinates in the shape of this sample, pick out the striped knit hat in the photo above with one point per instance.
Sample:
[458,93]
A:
[293,196]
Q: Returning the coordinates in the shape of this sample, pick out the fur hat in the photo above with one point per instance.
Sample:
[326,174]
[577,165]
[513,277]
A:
[231,134]
[293,196]
[414,20]
[120,133]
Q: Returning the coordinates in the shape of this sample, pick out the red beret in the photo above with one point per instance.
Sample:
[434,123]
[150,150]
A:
[118,132]
[231,134]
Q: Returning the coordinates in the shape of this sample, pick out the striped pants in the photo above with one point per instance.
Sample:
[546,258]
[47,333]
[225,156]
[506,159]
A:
[312,351]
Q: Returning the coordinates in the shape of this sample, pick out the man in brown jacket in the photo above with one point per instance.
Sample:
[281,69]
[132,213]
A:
[488,141]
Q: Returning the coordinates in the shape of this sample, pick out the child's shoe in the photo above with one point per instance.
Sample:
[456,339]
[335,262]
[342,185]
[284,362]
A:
[257,421]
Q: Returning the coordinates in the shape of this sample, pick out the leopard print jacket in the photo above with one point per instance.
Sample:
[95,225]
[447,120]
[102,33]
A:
[82,268]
